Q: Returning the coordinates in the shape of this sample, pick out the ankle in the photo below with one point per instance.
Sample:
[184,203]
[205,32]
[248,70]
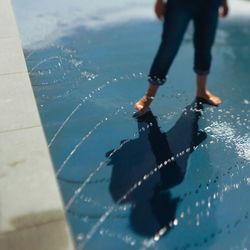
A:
[148,97]
[152,90]
[201,92]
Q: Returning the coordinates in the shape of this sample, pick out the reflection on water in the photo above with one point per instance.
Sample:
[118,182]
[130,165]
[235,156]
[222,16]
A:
[153,208]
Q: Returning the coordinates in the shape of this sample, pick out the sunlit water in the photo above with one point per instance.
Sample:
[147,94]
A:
[177,179]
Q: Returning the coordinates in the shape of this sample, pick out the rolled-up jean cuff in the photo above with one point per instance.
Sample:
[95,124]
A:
[201,72]
[156,80]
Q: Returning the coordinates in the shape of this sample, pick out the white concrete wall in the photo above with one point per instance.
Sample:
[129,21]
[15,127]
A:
[31,208]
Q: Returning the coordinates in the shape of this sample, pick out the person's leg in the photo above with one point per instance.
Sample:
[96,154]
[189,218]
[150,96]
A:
[205,25]
[178,14]
[203,93]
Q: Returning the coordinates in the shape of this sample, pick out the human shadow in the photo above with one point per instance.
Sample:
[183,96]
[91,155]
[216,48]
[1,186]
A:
[146,168]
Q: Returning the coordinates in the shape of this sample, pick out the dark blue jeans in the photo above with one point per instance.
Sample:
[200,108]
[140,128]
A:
[179,13]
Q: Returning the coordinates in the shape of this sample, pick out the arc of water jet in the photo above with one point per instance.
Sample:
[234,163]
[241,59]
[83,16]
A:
[83,139]
[30,54]
[77,146]
[72,113]
[64,123]
[44,61]
[75,109]
[100,166]
[78,191]
[67,119]
[59,47]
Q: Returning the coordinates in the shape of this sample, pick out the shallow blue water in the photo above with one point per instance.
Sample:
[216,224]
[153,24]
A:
[110,165]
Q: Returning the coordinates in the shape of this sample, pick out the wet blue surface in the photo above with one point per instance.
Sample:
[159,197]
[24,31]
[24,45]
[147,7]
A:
[177,178]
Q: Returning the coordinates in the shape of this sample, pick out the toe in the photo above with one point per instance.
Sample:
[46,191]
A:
[215,100]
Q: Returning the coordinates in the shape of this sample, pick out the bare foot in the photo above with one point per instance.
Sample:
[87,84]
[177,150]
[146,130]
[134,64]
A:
[210,99]
[143,104]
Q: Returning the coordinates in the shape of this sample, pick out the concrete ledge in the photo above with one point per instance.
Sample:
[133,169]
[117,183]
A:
[51,236]
[17,105]
[11,56]
[31,209]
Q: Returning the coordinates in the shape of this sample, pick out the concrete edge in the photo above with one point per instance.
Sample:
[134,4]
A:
[31,206]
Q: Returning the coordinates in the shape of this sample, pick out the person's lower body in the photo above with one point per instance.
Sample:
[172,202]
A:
[177,18]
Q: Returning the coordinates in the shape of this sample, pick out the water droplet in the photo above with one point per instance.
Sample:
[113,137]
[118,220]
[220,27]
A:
[175,222]
[78,191]
[132,243]
[157,237]
[80,237]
